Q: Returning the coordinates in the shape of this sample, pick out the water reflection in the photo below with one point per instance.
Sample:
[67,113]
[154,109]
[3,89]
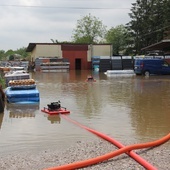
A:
[150,111]
[21,110]
[54,119]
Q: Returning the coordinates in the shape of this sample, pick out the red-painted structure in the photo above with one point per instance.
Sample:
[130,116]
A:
[77,56]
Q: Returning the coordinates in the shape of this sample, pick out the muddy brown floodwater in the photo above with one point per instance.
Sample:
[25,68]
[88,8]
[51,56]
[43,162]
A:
[126,107]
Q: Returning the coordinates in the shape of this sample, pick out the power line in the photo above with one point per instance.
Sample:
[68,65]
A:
[40,6]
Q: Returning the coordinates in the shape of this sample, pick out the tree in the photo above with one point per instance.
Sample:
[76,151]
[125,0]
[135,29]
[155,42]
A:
[22,52]
[9,54]
[89,30]
[118,38]
[166,19]
[54,41]
[150,19]
[2,54]
[12,57]
[19,54]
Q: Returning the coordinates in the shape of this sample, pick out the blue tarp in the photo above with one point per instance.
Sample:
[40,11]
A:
[22,96]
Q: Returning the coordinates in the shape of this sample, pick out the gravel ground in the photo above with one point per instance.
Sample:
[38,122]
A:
[159,157]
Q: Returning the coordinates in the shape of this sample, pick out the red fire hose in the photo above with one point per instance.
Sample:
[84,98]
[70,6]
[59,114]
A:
[123,149]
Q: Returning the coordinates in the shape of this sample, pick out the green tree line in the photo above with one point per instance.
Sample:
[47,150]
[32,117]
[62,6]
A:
[19,54]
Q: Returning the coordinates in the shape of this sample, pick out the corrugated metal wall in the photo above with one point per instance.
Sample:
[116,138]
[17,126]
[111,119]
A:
[104,63]
[116,63]
[127,62]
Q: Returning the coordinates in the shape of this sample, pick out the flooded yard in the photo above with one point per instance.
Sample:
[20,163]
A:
[129,107]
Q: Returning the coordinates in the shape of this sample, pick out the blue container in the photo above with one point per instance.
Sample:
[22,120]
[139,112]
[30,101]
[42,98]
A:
[96,67]
[22,95]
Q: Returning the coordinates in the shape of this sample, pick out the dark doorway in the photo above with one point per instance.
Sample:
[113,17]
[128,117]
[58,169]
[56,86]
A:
[78,64]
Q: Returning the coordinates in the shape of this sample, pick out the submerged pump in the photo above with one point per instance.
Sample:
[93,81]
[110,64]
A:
[54,106]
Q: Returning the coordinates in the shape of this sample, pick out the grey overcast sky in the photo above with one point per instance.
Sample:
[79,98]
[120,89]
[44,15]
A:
[38,21]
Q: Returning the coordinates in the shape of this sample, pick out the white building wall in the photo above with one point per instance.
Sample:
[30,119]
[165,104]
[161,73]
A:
[46,51]
[99,50]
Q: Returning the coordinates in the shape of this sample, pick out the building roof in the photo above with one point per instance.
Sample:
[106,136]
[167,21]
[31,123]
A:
[31,46]
[163,45]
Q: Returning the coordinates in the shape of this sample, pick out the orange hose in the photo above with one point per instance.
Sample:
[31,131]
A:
[136,157]
[107,156]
